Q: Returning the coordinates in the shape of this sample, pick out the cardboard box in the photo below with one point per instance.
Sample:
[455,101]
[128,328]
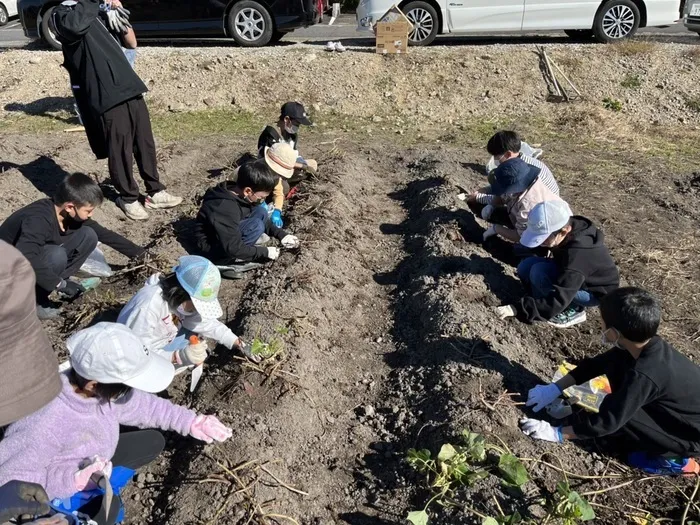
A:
[392,32]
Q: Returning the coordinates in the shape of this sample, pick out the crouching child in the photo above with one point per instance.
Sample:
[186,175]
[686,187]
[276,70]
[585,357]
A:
[233,227]
[170,308]
[580,272]
[654,406]
[75,441]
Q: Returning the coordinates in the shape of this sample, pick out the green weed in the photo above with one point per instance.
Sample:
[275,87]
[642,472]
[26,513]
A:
[612,104]
[693,103]
[631,82]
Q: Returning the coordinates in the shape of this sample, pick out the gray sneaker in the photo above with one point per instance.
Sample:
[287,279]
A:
[46,313]
[162,200]
[133,210]
[571,316]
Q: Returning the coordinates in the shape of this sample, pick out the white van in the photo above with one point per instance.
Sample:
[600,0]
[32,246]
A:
[8,9]
[604,20]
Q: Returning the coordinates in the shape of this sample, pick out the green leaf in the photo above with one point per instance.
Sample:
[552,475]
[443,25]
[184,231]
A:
[512,470]
[489,521]
[584,511]
[475,445]
[447,452]
[418,517]
[418,459]
[563,489]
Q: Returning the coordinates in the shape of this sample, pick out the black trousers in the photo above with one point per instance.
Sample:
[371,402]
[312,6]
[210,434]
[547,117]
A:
[128,133]
[498,216]
[642,433]
[65,260]
[134,450]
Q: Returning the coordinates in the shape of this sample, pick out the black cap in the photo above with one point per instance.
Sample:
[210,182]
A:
[296,111]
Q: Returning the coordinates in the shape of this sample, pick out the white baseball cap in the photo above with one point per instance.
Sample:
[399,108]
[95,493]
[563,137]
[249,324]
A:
[111,353]
[281,158]
[201,280]
[543,220]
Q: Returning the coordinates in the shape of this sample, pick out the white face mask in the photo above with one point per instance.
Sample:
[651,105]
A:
[292,130]
[605,341]
[182,312]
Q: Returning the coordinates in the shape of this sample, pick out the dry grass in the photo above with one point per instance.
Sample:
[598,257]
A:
[633,48]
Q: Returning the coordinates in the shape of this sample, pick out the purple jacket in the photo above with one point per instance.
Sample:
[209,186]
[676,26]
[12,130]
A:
[47,447]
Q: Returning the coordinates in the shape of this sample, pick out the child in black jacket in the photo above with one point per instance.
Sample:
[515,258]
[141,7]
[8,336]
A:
[654,406]
[579,273]
[233,226]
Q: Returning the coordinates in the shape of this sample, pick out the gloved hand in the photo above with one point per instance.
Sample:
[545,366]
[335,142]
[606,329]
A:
[538,429]
[246,351]
[209,429]
[542,395]
[290,241]
[503,312]
[273,253]
[487,211]
[276,218]
[490,232]
[70,289]
[192,354]
[21,497]
[83,477]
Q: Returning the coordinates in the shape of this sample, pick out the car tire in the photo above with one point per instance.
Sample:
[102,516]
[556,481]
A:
[4,17]
[250,24]
[579,34]
[425,23]
[47,33]
[616,20]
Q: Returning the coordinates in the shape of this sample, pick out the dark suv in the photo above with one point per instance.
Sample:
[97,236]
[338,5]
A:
[250,23]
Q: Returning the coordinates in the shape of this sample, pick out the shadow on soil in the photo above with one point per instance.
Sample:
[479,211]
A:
[47,107]
[43,173]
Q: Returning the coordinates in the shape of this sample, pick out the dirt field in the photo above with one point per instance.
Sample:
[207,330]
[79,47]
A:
[385,313]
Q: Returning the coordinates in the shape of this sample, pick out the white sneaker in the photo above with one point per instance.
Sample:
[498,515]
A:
[133,210]
[340,48]
[162,199]
[330,46]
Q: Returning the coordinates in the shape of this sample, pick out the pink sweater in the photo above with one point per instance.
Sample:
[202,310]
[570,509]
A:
[47,446]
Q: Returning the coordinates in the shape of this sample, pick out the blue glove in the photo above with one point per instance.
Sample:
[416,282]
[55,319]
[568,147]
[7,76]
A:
[276,218]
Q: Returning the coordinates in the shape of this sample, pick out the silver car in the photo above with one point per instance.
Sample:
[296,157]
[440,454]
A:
[691,15]
[8,9]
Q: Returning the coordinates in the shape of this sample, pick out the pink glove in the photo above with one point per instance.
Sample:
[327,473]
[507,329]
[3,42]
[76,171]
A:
[209,429]
[83,478]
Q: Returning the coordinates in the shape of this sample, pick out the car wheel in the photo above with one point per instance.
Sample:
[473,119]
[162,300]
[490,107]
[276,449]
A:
[579,34]
[250,24]
[425,23]
[616,20]
[47,32]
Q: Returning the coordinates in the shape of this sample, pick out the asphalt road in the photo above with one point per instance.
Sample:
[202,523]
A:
[344,29]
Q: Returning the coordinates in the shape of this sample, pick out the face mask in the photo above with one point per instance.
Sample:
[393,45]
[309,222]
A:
[604,340]
[292,130]
[182,312]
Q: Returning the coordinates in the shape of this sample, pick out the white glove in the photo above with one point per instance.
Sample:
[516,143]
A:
[290,241]
[117,22]
[537,429]
[503,312]
[192,354]
[273,253]
[542,395]
[486,212]
[490,232]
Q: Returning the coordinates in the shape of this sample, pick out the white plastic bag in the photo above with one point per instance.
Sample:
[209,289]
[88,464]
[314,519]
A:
[96,265]
[525,149]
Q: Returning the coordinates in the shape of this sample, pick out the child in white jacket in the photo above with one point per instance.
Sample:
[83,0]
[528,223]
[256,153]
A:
[169,308]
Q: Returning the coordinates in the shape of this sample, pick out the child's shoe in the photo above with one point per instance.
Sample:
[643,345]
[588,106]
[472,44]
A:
[162,200]
[571,316]
[340,48]
[330,46]
[672,466]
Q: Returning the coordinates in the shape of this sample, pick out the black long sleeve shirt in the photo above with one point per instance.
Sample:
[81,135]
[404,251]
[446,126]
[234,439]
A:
[662,382]
[31,228]
[218,232]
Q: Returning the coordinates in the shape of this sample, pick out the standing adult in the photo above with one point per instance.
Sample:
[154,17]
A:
[32,379]
[109,95]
